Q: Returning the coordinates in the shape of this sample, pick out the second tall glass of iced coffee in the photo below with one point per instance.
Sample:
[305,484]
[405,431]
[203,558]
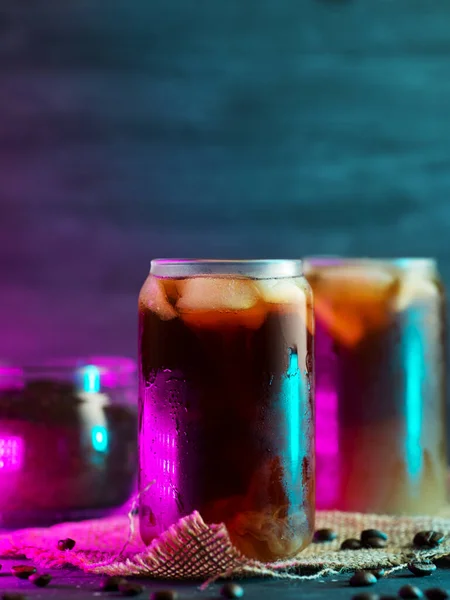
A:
[380,389]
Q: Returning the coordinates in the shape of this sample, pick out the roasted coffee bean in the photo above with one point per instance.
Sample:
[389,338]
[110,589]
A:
[389,597]
[410,592]
[111,583]
[324,535]
[127,588]
[351,544]
[437,538]
[67,544]
[374,542]
[366,596]
[232,591]
[421,568]
[379,573]
[443,562]
[368,534]
[428,539]
[164,595]
[13,596]
[362,579]
[23,571]
[40,580]
[436,594]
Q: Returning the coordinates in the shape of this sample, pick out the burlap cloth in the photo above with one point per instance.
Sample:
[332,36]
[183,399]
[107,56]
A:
[190,549]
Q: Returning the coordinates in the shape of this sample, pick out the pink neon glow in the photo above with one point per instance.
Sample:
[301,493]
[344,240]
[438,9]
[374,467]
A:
[114,371]
[11,453]
[327,449]
[166,464]
[327,434]
[11,377]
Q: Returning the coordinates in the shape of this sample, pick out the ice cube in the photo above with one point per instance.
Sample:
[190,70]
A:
[351,300]
[217,294]
[414,289]
[153,297]
[370,278]
[280,291]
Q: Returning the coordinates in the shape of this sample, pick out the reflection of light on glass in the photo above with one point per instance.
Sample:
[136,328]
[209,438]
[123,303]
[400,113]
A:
[294,397]
[165,463]
[293,394]
[327,446]
[327,438]
[90,379]
[116,371]
[99,438]
[11,453]
[327,423]
[414,370]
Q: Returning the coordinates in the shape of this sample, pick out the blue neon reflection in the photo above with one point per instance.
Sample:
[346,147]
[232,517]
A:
[99,437]
[292,394]
[90,379]
[414,374]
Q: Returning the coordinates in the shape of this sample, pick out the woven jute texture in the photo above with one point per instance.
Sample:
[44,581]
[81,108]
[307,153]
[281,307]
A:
[190,549]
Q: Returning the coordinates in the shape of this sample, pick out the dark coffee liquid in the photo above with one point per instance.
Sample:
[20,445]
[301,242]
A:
[226,425]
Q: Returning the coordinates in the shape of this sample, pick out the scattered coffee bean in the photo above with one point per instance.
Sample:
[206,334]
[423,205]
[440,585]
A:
[111,583]
[421,568]
[13,596]
[428,539]
[374,542]
[443,562]
[368,534]
[389,597]
[23,571]
[351,544]
[164,595]
[67,544]
[127,588]
[436,594]
[366,596]
[379,573]
[232,591]
[362,579]
[324,535]
[410,592]
[40,580]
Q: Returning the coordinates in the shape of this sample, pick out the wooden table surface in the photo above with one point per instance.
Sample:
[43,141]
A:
[73,584]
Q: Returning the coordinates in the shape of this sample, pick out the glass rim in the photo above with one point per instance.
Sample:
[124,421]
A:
[425,263]
[248,268]
[105,364]
[111,371]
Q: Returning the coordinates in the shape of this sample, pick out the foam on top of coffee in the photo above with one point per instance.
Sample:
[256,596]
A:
[414,289]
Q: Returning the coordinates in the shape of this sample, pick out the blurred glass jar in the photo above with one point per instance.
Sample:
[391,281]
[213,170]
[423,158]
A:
[380,385]
[68,439]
